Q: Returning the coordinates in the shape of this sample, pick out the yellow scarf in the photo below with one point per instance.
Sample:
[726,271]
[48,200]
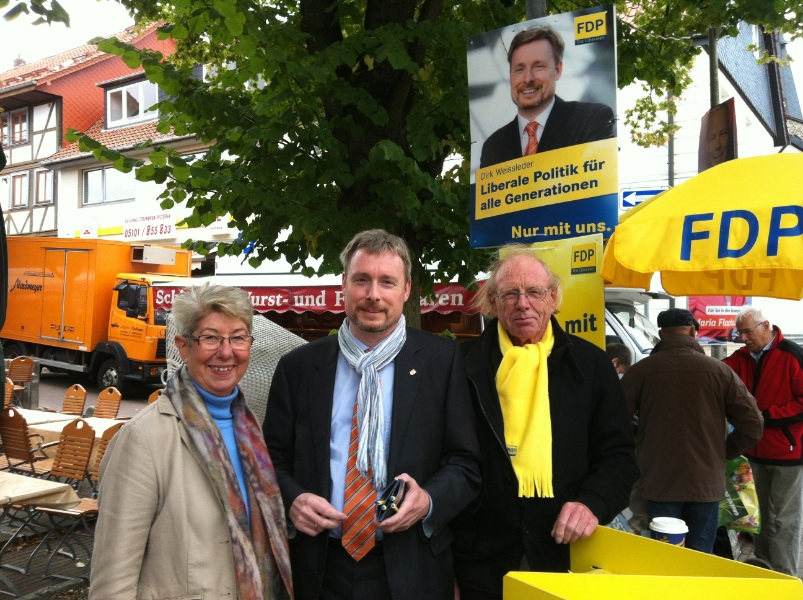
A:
[523,385]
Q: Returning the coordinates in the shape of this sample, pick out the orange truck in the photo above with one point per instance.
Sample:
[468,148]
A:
[86,306]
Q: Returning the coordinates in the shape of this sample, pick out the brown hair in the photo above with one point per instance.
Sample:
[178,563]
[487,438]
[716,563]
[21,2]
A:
[533,35]
[375,241]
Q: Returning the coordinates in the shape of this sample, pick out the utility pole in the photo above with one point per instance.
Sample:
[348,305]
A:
[535,9]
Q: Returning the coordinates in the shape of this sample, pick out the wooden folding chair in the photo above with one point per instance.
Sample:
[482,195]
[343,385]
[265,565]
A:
[23,454]
[74,400]
[9,394]
[72,527]
[20,371]
[108,404]
[74,451]
[70,466]
[155,396]
[103,443]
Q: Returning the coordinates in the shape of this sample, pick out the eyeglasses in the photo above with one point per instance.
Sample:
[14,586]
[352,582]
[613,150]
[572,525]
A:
[533,295]
[739,332]
[213,342]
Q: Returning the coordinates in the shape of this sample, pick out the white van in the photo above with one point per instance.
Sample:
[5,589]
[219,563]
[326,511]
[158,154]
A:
[627,319]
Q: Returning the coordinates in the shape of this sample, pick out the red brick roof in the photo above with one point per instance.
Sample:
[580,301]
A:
[118,139]
[64,63]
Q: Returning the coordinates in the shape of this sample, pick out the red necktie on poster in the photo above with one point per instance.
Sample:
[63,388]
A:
[358,528]
[532,144]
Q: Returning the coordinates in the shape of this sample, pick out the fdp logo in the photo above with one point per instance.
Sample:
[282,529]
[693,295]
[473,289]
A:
[590,28]
[584,259]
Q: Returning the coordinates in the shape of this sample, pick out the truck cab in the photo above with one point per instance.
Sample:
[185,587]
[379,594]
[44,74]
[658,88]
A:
[134,324]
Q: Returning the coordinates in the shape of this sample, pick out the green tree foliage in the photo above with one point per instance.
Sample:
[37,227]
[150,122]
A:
[331,116]
[46,11]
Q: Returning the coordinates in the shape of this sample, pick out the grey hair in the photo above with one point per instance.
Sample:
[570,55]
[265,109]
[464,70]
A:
[196,302]
[375,241]
[483,298]
[752,311]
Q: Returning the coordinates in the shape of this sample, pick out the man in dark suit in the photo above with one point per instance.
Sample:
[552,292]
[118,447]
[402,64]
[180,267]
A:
[544,121]
[412,420]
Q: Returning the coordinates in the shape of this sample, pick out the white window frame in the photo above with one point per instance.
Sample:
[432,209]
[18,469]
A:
[14,134]
[118,100]
[43,186]
[18,190]
[103,197]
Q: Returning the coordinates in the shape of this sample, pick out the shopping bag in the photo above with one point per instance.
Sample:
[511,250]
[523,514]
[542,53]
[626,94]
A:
[731,507]
[741,475]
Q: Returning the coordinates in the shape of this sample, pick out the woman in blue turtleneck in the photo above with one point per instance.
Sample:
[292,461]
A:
[189,504]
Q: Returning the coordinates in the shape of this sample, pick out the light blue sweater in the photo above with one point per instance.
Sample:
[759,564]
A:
[220,411]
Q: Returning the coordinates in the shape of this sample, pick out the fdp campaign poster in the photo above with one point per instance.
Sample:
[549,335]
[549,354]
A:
[542,101]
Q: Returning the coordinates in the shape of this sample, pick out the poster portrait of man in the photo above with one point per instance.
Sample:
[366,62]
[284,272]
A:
[542,104]
[717,136]
[537,72]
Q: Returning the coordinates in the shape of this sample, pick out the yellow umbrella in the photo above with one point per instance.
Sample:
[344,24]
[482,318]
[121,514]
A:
[735,229]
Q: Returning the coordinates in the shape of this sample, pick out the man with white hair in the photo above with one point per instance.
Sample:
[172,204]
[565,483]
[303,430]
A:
[772,369]
[558,456]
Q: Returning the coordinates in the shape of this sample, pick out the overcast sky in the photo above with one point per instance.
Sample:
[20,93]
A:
[94,18]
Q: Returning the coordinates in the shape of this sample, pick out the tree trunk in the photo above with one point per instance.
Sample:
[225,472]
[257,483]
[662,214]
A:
[412,308]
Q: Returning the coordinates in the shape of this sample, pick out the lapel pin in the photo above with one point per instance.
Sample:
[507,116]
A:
[412,372]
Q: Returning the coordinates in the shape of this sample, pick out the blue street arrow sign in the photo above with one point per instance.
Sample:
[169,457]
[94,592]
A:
[631,197]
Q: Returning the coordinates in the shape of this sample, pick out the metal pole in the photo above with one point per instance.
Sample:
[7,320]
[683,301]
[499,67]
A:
[535,9]
[713,65]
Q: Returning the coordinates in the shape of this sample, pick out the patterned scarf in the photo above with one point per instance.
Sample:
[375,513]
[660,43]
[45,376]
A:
[261,552]
[370,412]
[522,382]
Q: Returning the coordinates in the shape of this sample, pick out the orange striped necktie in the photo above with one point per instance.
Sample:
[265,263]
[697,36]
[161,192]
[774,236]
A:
[532,144]
[358,528]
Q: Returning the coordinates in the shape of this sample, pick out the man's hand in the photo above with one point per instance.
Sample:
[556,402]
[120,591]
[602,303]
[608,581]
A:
[312,514]
[575,522]
[414,507]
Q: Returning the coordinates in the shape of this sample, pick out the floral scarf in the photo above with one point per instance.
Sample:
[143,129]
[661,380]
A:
[261,552]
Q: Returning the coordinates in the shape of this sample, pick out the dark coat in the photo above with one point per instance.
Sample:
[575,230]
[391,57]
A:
[569,123]
[432,439]
[592,453]
[683,398]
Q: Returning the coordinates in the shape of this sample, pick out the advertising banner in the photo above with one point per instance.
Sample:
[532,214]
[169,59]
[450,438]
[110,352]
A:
[542,102]
[318,299]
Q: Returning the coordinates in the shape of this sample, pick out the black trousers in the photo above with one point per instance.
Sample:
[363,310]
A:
[346,579]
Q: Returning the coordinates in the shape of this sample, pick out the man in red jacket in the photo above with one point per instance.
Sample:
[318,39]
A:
[772,369]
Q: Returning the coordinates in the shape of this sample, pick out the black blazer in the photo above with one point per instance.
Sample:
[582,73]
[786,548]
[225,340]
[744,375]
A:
[568,124]
[433,439]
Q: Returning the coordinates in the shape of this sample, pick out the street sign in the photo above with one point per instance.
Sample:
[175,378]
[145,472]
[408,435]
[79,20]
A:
[631,197]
